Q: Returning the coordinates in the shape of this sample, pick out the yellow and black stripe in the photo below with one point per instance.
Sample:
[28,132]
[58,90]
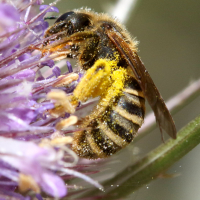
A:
[116,127]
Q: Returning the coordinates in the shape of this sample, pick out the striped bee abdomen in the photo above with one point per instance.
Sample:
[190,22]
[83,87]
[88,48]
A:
[116,127]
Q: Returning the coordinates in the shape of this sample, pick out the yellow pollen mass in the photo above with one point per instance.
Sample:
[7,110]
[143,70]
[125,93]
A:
[97,80]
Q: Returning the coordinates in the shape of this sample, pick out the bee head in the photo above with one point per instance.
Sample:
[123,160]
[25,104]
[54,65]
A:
[70,22]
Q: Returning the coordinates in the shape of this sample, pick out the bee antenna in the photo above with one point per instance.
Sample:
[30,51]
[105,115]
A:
[51,17]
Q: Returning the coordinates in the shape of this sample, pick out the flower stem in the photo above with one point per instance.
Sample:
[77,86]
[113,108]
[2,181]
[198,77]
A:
[153,164]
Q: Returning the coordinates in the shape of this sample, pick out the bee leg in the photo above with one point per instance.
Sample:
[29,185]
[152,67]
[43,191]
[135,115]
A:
[74,39]
[95,82]
[88,143]
[102,79]
[88,55]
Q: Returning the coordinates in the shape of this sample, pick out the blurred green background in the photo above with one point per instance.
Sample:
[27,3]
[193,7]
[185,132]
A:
[169,35]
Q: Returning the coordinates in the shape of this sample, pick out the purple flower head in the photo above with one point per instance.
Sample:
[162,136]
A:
[51,9]
[29,159]
[8,17]
[69,66]
[49,63]
[56,71]
[34,151]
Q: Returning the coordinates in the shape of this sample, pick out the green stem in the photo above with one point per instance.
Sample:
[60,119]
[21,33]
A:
[152,164]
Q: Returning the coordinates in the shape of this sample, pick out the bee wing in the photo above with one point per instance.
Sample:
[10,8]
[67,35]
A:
[163,117]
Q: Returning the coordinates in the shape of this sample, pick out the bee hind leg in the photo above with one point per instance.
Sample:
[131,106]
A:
[95,82]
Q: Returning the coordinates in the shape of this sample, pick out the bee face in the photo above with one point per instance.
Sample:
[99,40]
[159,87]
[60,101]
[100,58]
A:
[70,23]
[115,73]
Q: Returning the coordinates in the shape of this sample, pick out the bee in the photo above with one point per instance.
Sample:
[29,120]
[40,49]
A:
[115,73]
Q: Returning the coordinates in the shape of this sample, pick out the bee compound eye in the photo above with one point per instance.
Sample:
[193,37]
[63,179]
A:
[64,16]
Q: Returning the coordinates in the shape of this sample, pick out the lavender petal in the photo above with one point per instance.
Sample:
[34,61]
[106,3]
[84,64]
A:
[51,9]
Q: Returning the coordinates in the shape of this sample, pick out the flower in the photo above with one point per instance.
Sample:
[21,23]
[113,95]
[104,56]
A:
[33,155]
